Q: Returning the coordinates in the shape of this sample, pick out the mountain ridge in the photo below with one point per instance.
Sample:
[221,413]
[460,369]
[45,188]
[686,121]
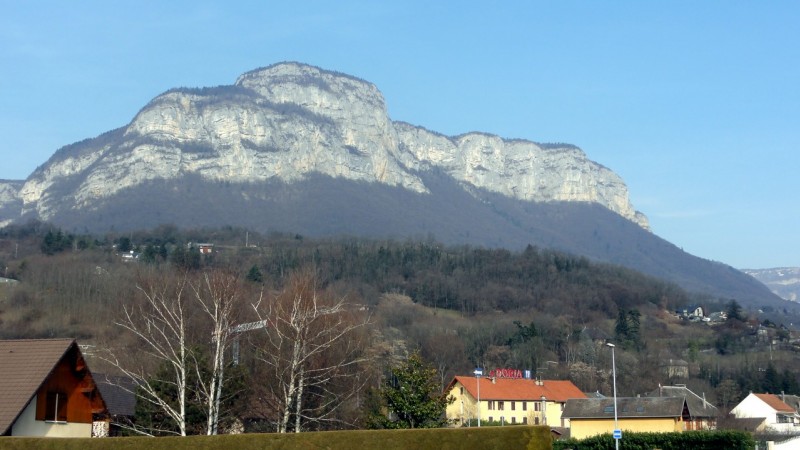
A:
[286,131]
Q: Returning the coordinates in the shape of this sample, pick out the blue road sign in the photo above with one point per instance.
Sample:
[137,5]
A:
[617,434]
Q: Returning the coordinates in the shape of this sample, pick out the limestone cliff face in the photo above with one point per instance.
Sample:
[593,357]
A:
[9,200]
[290,120]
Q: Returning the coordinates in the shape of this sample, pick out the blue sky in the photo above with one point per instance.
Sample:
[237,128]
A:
[695,104]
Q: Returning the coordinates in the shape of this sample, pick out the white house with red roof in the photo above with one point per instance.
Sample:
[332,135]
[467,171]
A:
[777,414]
[509,400]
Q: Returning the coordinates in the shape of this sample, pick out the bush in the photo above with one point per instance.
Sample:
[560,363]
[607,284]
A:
[695,440]
[500,438]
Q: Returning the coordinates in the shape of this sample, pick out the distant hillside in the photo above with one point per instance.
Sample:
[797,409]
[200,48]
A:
[783,281]
[321,206]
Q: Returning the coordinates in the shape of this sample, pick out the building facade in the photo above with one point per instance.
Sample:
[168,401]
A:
[778,415]
[509,400]
[590,417]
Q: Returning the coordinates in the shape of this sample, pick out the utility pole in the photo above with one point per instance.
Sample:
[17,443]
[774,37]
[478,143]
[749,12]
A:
[478,374]
[617,431]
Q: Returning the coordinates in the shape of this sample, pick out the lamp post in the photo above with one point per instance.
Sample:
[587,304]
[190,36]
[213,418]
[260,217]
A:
[478,374]
[614,376]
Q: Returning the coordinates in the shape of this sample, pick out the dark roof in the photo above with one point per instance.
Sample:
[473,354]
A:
[24,365]
[627,407]
[791,400]
[751,424]
[119,394]
[698,406]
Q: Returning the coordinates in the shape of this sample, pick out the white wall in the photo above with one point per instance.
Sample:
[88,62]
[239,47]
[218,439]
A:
[752,407]
[27,425]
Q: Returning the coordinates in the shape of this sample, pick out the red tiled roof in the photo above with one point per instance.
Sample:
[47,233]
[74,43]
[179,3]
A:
[519,389]
[24,366]
[775,403]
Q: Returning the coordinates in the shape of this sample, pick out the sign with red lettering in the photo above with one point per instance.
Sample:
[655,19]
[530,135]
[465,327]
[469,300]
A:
[506,373]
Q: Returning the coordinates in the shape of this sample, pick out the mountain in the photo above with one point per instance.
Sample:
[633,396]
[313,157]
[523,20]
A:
[783,281]
[291,147]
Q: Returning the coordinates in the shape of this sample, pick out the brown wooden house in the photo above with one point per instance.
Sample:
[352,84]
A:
[46,389]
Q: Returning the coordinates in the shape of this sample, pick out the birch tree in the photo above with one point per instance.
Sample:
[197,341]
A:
[217,296]
[312,341]
[158,321]
[167,364]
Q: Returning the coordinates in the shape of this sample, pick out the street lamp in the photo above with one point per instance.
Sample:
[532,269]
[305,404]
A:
[478,374]
[614,375]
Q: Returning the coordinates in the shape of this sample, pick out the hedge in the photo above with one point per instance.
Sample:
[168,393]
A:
[484,438]
[695,440]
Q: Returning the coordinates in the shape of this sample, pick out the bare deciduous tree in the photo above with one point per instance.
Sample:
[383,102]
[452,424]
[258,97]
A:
[217,295]
[312,341]
[158,320]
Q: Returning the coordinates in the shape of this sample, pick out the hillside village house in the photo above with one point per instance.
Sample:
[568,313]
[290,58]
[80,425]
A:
[777,414]
[590,417]
[703,414]
[509,400]
[46,389]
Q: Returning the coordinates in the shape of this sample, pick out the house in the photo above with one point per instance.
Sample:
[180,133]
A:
[509,400]
[46,389]
[703,414]
[692,312]
[778,415]
[205,248]
[593,416]
[674,368]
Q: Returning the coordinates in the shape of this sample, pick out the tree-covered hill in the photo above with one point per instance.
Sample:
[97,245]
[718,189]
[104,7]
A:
[460,306]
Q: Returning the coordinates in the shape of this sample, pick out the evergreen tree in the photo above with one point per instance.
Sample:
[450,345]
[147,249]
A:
[621,327]
[734,311]
[413,397]
[255,275]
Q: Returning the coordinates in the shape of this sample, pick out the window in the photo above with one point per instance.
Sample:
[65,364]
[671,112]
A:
[513,406]
[513,419]
[462,390]
[56,407]
[500,405]
[491,419]
[537,406]
[491,405]
[525,420]
[608,409]
[524,406]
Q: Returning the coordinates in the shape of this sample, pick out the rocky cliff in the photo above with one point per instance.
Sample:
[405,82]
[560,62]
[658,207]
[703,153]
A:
[290,120]
[783,281]
[293,148]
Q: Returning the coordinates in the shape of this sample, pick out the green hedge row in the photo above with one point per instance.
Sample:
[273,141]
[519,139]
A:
[484,438]
[695,440]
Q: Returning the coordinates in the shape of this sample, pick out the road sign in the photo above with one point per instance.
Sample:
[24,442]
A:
[478,372]
[617,434]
